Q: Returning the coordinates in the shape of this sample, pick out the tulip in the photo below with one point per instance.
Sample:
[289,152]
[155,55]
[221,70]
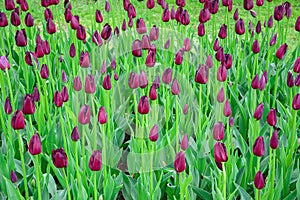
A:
[216,46]
[259,2]
[145,44]
[273,40]
[81,33]
[39,52]
[209,61]
[180,3]
[255,82]
[227,61]
[143,81]
[35,146]
[64,76]
[96,38]
[48,14]
[59,158]
[17,121]
[21,38]
[258,27]
[3,20]
[173,13]
[77,83]
[102,115]
[143,106]
[13,177]
[126,4]
[45,3]
[259,147]
[240,27]
[297,80]
[231,121]
[281,51]
[253,13]
[46,47]
[113,64]
[220,152]
[153,33]
[248,4]
[58,99]
[15,19]
[74,22]
[204,15]
[166,15]
[7,106]
[150,4]
[50,26]
[184,142]
[68,15]
[218,131]
[296,102]
[220,54]
[202,74]
[222,73]
[154,133]
[223,32]
[151,58]
[141,26]
[255,47]
[179,163]
[28,105]
[72,50]
[106,82]
[64,94]
[290,80]
[152,93]
[167,76]
[4,64]
[258,111]
[124,25]
[186,109]
[185,18]
[107,6]
[167,44]
[95,162]
[220,96]
[44,72]
[274,139]
[236,15]
[278,12]
[175,87]
[297,65]
[259,181]
[84,59]
[187,44]
[84,115]
[75,134]
[201,29]
[156,82]
[271,118]
[178,14]
[227,109]
[179,57]
[9,4]
[133,80]
[89,86]
[131,11]
[297,24]
[36,94]
[116,31]
[213,6]
[136,48]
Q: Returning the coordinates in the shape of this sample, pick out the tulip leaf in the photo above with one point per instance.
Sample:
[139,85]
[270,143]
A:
[12,192]
[244,194]
[203,194]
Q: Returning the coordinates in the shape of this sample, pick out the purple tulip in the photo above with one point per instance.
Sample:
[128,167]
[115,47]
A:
[59,158]
[35,146]
[259,147]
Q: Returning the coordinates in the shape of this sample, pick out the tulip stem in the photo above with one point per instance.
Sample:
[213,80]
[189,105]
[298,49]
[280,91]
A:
[63,130]
[200,110]
[95,186]
[76,163]
[67,184]
[151,168]
[177,124]
[10,90]
[224,180]
[37,168]
[276,86]
[273,159]
[23,165]
[257,194]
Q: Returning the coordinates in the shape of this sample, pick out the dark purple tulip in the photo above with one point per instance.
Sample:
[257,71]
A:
[102,115]
[145,42]
[136,48]
[150,4]
[179,163]
[64,94]
[44,71]
[4,64]
[39,52]
[13,177]
[259,181]
[81,33]
[281,51]
[116,31]
[274,139]
[223,32]
[240,27]
[46,47]
[153,33]
[21,38]
[68,15]
[9,4]
[133,80]
[259,147]
[64,76]
[271,118]
[144,106]
[28,105]
[15,19]
[220,55]
[7,106]
[50,26]
[231,121]
[259,2]
[253,13]
[221,95]
[258,111]
[59,158]
[204,15]
[35,146]
[255,47]
[173,13]
[72,50]
[296,102]
[175,87]
[201,75]
[131,11]
[166,15]
[255,82]
[290,80]
[270,22]
[107,6]
[218,131]
[248,4]
[36,94]
[222,73]
[45,3]
[151,58]
[75,134]
[273,40]
[74,22]
[126,4]
[262,82]
[84,115]
[178,14]
[96,38]
[48,14]
[84,59]
[141,26]
[124,25]
[236,15]
[95,162]
[297,80]
[179,57]
[167,76]
[153,136]
[201,29]
[58,99]
[99,17]
[116,77]
[184,142]
[216,46]
[288,9]
[28,58]
[143,81]
[227,109]
[17,121]
[297,65]
[213,6]
[103,67]
[180,3]
[54,2]
[297,24]
[258,27]
[106,82]
[220,152]
[152,93]
[278,12]
[130,22]
[89,86]
[77,85]
[3,20]
[185,18]
[227,61]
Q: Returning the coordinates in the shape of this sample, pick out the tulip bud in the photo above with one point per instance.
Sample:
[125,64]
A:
[131,11]
[253,13]
[106,32]
[255,47]
[259,147]
[259,111]
[143,106]
[44,72]
[21,38]
[28,105]
[151,58]
[227,109]
[184,142]
[175,87]
[106,82]
[141,26]
[133,80]
[7,106]
[84,115]
[136,48]
[59,158]
[46,47]
[48,14]
[13,177]
[36,94]
[74,22]
[220,96]
[259,2]
[259,181]
[216,46]
[187,44]
[290,80]
[143,81]
[204,15]
[185,18]
[220,152]
[95,162]
[179,57]
[297,65]
[167,76]
[240,27]
[296,102]
[107,6]
[4,64]
[201,29]
[64,76]
[248,4]
[156,82]
[9,4]
[220,55]
[68,15]
[223,32]
[102,115]
[17,121]
[3,20]
[213,6]
[145,44]
[58,99]
[152,93]
[173,14]
[227,61]
[29,21]
[271,118]
[281,51]
[297,80]
[218,131]
[201,75]
[297,24]
[72,50]
[274,139]
[166,15]
[255,82]
[75,134]
[89,86]
[154,33]
[273,40]
[84,59]
[154,133]
[167,44]
[258,27]
[270,22]
[278,12]
[236,15]
[222,73]
[150,4]
[179,163]
[35,146]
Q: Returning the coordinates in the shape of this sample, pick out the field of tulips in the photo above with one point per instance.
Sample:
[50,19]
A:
[150,99]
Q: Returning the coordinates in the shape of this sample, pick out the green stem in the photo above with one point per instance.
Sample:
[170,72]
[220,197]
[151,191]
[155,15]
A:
[63,130]
[224,180]
[23,165]
[37,168]
[10,90]
[177,123]
[67,184]
[95,186]
[77,165]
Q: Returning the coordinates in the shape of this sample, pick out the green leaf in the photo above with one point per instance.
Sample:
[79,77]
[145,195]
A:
[203,194]
[244,194]
[12,192]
